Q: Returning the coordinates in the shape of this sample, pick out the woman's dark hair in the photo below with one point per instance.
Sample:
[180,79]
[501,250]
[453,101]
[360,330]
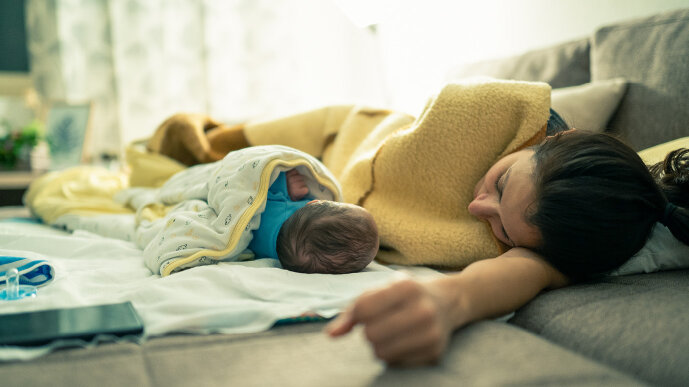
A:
[555,124]
[596,201]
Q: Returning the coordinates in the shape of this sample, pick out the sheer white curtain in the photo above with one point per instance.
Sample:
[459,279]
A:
[139,61]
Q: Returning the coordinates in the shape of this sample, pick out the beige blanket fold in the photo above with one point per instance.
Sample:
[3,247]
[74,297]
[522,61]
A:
[417,176]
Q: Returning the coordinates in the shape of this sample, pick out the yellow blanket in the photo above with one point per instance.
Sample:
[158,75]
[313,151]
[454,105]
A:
[85,190]
[417,176]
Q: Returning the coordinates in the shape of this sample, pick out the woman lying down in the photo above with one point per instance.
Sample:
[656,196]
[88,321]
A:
[577,205]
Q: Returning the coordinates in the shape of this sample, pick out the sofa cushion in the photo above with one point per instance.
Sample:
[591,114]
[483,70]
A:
[483,354]
[563,65]
[637,324]
[589,106]
[653,55]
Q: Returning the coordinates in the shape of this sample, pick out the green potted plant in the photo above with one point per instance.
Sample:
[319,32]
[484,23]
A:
[16,145]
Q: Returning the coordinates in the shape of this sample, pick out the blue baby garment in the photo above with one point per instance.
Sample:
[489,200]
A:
[279,207]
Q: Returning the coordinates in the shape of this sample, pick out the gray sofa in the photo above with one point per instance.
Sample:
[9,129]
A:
[634,324]
[629,330]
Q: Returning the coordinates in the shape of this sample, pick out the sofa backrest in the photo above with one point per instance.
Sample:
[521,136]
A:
[651,53]
[566,64]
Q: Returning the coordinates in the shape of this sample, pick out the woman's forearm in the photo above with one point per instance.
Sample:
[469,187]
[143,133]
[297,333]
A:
[494,287]
[410,322]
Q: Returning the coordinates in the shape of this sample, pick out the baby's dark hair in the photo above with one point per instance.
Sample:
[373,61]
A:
[324,237]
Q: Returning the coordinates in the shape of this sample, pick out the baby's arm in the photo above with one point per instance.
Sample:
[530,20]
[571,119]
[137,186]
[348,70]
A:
[296,185]
[410,322]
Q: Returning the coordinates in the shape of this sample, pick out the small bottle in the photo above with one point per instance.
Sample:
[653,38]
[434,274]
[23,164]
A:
[13,290]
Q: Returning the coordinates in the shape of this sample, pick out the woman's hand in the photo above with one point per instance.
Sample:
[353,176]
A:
[410,322]
[296,185]
[407,322]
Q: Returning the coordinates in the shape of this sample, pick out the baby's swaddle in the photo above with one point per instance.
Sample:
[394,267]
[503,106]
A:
[214,208]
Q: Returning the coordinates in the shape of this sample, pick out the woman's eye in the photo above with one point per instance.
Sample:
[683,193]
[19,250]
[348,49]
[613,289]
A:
[509,241]
[498,189]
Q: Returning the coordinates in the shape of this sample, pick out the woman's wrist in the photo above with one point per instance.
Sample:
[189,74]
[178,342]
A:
[454,300]
[494,287]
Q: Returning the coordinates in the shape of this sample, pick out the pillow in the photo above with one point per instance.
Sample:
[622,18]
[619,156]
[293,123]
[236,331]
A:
[589,106]
[662,251]
[657,153]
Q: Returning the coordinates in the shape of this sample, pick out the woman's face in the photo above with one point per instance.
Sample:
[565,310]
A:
[502,197]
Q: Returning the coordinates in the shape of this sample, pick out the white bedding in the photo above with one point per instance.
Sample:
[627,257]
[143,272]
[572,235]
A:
[228,297]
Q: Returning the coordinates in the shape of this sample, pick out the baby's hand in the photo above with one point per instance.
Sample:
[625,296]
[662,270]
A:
[296,185]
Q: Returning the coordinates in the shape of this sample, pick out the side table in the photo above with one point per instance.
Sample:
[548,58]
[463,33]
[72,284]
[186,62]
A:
[13,185]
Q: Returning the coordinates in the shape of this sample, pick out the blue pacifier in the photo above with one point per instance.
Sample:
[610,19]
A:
[15,291]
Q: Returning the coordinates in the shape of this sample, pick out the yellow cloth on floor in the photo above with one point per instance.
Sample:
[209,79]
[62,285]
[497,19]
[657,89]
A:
[147,169]
[417,176]
[88,190]
[82,190]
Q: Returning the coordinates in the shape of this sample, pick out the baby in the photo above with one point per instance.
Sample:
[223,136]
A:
[313,236]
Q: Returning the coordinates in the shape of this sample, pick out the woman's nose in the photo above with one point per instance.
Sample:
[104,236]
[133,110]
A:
[484,206]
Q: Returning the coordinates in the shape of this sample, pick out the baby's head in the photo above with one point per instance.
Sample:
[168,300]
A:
[328,237]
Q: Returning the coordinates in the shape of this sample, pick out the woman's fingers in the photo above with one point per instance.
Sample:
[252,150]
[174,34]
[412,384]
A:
[374,304]
[421,344]
[416,333]
[390,326]
[341,325]
[369,307]
[404,323]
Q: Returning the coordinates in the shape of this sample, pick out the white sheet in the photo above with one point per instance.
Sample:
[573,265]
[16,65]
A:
[227,297]
[662,252]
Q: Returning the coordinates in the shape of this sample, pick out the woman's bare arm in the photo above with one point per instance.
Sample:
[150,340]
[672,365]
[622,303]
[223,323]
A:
[495,287]
[410,322]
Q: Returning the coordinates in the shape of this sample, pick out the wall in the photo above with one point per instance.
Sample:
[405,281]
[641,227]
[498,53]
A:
[421,40]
